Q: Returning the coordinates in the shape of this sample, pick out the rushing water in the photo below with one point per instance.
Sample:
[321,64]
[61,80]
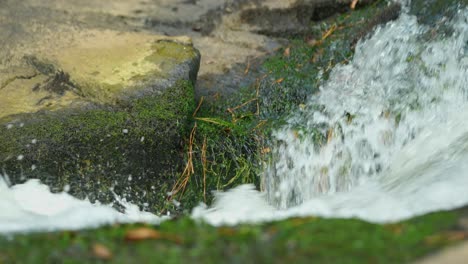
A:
[396,128]
[396,144]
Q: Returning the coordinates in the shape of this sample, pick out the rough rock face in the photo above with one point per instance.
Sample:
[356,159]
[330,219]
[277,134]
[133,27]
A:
[95,66]
[91,109]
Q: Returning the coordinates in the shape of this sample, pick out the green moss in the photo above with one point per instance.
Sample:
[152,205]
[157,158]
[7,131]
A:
[298,240]
[164,49]
[133,148]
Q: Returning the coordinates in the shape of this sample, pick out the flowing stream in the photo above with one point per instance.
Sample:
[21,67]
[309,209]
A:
[396,145]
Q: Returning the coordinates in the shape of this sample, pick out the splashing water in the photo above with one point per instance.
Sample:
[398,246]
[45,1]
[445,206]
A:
[384,140]
[32,207]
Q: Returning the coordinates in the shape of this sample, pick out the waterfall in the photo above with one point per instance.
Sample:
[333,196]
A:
[385,139]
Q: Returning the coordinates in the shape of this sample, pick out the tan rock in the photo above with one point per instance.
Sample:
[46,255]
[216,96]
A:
[94,66]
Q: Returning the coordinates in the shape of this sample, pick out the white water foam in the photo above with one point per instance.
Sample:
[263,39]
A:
[395,129]
[32,207]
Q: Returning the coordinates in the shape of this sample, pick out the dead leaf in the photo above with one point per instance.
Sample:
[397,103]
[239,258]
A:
[101,252]
[265,150]
[226,231]
[396,229]
[317,56]
[446,237]
[280,80]
[329,135]
[142,233]
[354,3]
[247,68]
[295,134]
[313,42]
[287,52]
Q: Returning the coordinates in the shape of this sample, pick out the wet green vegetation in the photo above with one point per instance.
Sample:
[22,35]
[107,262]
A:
[298,240]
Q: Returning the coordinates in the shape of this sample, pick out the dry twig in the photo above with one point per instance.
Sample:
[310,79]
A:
[183,180]
[203,159]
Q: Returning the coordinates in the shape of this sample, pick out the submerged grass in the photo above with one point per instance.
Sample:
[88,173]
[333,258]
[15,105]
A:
[300,240]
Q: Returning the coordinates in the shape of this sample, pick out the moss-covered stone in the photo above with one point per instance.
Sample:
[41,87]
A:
[97,110]
[133,148]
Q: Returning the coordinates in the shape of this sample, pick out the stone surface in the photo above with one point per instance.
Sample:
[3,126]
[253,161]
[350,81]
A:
[89,106]
[453,255]
[92,65]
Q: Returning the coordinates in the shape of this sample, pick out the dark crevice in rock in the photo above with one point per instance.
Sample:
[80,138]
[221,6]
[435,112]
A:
[280,22]
[206,24]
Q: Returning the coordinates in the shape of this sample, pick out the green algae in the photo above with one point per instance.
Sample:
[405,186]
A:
[164,49]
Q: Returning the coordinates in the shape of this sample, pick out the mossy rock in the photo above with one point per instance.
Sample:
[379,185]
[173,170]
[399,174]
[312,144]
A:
[133,148]
[112,115]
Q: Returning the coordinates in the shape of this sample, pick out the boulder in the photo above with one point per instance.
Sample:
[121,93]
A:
[95,111]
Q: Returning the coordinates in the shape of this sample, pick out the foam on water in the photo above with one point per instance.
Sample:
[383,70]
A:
[32,207]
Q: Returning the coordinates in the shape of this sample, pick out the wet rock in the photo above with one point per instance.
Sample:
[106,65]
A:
[89,109]
[294,18]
